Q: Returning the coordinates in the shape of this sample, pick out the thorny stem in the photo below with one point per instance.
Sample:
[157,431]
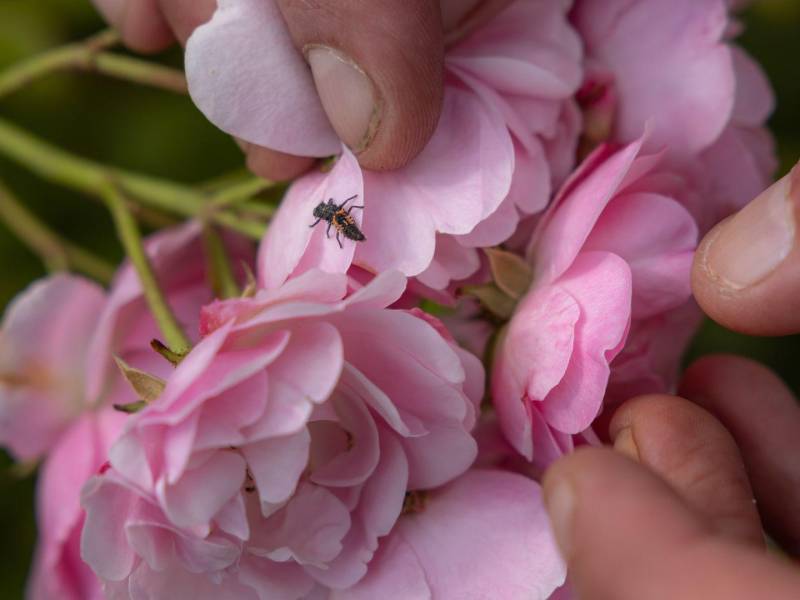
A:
[130,236]
[88,56]
[59,166]
[57,254]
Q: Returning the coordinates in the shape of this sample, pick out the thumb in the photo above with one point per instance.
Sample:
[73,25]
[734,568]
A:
[746,274]
[627,535]
[378,68]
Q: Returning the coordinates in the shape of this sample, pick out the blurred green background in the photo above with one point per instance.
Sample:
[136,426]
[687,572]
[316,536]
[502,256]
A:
[162,134]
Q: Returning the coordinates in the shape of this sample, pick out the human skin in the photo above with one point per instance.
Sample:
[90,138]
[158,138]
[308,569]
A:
[377,65]
[683,494]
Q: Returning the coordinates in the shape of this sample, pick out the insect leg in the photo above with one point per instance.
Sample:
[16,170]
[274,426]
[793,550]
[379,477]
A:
[314,224]
[352,207]
[328,231]
[338,240]
[346,201]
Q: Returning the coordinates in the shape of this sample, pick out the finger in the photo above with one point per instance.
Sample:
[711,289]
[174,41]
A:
[627,535]
[274,165]
[139,22]
[377,66]
[764,419]
[746,274]
[184,16]
[696,455]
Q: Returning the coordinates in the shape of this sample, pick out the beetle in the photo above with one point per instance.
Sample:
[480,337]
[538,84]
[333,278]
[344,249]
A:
[339,218]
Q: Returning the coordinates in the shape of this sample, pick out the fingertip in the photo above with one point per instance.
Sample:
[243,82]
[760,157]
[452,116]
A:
[762,414]
[378,68]
[695,454]
[746,272]
[273,165]
[140,23]
[615,522]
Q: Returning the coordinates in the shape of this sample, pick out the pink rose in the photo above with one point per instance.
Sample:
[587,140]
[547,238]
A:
[59,382]
[506,137]
[44,343]
[611,251]
[673,68]
[284,447]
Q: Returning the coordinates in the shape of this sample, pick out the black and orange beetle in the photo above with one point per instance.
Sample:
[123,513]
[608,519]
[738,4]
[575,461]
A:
[339,218]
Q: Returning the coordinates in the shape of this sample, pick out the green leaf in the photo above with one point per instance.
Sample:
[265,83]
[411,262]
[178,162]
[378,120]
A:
[147,387]
[493,299]
[132,408]
[510,272]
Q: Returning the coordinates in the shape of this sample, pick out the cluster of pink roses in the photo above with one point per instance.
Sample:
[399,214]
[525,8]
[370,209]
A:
[326,439]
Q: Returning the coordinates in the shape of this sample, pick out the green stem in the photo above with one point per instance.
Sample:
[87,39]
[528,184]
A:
[220,271]
[129,235]
[240,192]
[56,253]
[138,72]
[89,56]
[59,166]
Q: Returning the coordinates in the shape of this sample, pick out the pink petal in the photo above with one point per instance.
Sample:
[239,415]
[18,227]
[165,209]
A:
[384,492]
[670,65]
[274,581]
[656,236]
[43,356]
[175,582]
[104,545]
[529,49]
[537,346]
[191,502]
[355,465]
[573,214]
[458,180]
[276,465]
[291,246]
[601,285]
[439,456]
[395,572]
[308,530]
[486,535]
[383,291]
[268,99]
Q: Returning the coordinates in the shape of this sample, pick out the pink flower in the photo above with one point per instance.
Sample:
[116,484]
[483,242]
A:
[282,449]
[610,251]
[668,65]
[58,383]
[506,136]
[43,355]
[672,66]
[58,571]
[485,535]
[650,362]
[741,163]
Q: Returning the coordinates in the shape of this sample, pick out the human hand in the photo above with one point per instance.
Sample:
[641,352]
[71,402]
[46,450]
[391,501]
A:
[688,527]
[377,65]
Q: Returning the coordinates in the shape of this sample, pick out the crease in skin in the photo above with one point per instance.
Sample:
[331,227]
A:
[721,287]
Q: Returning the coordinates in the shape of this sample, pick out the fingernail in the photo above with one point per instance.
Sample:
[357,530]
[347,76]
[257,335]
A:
[347,94]
[752,244]
[111,10]
[625,444]
[559,499]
